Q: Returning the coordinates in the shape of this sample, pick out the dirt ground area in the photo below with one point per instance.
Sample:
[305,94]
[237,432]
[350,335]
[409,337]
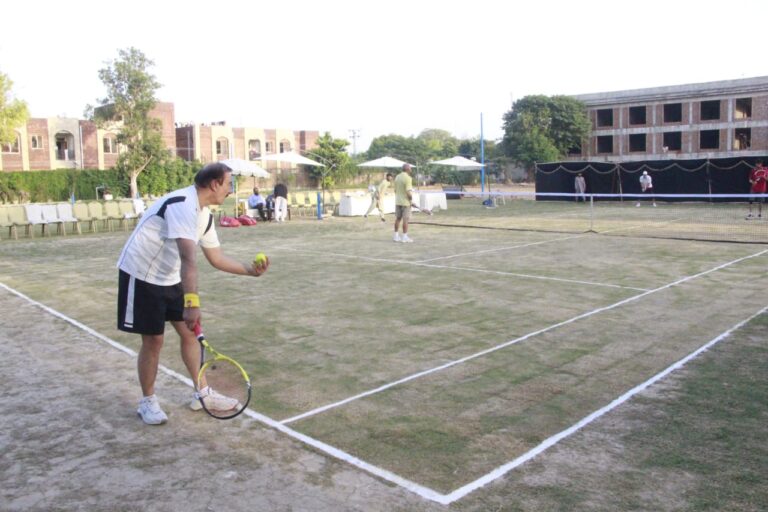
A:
[72,440]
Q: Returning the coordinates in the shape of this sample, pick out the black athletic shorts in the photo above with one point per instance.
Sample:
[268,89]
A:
[144,308]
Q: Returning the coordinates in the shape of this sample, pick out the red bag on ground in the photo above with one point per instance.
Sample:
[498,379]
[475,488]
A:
[246,220]
[228,222]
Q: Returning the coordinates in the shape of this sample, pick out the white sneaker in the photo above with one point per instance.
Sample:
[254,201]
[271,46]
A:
[638,205]
[396,238]
[406,239]
[213,401]
[150,411]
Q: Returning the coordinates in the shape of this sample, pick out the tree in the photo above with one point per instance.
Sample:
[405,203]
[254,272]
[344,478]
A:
[439,143]
[130,98]
[332,153]
[542,129]
[13,112]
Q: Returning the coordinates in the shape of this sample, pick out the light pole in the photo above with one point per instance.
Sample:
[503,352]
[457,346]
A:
[354,134]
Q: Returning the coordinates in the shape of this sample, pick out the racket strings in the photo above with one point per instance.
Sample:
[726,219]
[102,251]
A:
[224,390]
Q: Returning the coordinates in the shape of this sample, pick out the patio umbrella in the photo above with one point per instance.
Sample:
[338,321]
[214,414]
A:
[385,161]
[242,167]
[461,163]
[290,157]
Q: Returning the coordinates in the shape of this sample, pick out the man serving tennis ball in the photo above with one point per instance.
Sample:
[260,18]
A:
[158,279]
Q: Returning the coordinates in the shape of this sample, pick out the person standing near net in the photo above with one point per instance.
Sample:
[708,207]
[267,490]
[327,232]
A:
[403,201]
[377,196]
[580,185]
[757,181]
[646,186]
[158,280]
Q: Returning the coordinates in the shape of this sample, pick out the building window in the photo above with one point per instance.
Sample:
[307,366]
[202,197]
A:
[710,110]
[743,108]
[673,113]
[110,144]
[254,149]
[605,117]
[285,146]
[11,148]
[709,139]
[222,147]
[36,141]
[636,115]
[605,144]
[672,141]
[742,138]
[269,147]
[637,142]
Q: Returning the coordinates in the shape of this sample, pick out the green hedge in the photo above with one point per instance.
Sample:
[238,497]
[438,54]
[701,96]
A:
[60,184]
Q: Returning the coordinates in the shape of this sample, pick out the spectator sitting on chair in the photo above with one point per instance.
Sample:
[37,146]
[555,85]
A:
[257,202]
[270,206]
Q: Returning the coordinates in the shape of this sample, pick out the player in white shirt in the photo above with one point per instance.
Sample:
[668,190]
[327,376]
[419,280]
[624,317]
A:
[646,185]
[158,275]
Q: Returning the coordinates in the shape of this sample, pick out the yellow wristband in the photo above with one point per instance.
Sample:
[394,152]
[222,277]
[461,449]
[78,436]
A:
[191,300]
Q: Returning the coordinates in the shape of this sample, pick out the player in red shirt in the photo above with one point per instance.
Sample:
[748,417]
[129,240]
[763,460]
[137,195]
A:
[757,181]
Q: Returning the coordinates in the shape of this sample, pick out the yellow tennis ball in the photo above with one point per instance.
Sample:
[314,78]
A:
[260,259]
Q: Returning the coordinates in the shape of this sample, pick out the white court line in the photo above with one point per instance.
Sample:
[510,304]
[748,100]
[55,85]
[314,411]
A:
[500,248]
[455,362]
[420,490]
[466,269]
[550,441]
[424,492]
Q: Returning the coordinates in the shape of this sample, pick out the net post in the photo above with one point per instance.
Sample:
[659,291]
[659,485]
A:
[592,214]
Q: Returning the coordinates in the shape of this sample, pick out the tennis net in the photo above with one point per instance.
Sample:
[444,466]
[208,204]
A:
[724,217]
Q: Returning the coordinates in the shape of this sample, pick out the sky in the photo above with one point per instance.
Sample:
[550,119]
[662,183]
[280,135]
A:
[373,68]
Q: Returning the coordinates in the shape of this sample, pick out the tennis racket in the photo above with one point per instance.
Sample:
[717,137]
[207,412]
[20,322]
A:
[428,212]
[224,388]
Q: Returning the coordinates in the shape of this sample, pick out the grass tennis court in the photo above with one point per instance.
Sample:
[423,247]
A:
[520,333]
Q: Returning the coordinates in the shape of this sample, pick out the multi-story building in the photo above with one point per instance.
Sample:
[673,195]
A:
[68,143]
[217,141]
[708,120]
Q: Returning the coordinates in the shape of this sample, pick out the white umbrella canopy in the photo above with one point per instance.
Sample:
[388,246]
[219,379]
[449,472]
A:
[242,167]
[461,163]
[290,157]
[385,161]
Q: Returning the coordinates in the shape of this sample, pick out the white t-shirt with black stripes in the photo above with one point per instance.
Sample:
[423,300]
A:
[151,253]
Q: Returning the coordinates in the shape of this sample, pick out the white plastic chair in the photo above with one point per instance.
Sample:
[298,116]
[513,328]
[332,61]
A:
[35,217]
[51,216]
[66,215]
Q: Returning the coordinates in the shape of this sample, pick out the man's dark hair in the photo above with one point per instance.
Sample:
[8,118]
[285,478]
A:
[389,175]
[211,172]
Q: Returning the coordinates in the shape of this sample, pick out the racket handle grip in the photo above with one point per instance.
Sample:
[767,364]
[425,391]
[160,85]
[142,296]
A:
[198,329]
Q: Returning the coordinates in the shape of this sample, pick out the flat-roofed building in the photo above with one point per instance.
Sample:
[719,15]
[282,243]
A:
[721,119]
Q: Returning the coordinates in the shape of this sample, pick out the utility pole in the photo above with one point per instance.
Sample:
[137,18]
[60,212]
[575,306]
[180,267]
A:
[354,135]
